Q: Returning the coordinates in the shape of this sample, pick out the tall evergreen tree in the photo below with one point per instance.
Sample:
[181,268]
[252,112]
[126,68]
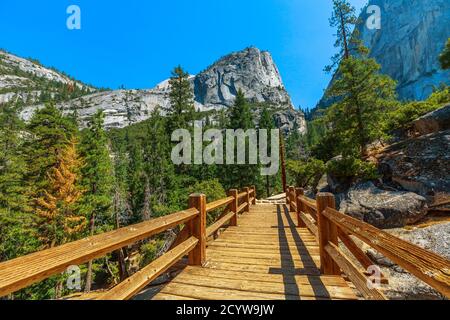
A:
[344,19]
[236,175]
[97,181]
[59,222]
[181,110]
[13,192]
[364,95]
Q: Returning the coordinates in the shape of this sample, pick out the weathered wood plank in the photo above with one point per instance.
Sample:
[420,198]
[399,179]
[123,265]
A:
[138,281]
[219,224]
[219,203]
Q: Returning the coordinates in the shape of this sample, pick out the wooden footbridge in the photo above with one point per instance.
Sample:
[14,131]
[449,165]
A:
[300,250]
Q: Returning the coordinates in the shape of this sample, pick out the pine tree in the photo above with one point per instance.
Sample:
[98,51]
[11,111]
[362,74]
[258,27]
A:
[59,222]
[445,56]
[235,175]
[97,181]
[344,19]
[50,133]
[160,174]
[181,110]
[14,194]
[364,96]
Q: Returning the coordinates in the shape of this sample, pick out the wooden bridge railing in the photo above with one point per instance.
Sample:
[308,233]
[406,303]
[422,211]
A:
[24,271]
[329,226]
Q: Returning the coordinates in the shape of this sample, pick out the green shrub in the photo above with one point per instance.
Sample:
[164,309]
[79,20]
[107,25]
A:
[304,174]
[213,191]
[353,168]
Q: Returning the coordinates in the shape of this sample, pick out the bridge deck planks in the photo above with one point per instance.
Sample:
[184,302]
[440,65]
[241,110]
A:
[266,257]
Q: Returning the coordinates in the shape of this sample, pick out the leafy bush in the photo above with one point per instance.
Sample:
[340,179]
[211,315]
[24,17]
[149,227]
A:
[213,191]
[305,174]
[350,167]
[404,113]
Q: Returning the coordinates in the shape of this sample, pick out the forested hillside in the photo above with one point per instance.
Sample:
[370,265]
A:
[63,178]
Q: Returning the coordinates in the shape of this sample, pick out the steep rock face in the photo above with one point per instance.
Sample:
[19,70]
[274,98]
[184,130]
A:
[381,208]
[28,80]
[413,34]
[251,70]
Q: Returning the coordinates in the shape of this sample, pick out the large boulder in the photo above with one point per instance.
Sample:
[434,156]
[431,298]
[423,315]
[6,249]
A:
[419,165]
[381,208]
[438,120]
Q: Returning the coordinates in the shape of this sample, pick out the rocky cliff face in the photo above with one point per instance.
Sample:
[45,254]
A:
[251,70]
[28,80]
[412,36]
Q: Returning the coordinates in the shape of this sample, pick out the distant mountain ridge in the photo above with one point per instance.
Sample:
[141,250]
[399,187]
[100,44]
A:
[250,70]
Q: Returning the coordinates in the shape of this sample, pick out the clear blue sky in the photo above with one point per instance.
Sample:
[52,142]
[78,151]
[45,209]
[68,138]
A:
[137,42]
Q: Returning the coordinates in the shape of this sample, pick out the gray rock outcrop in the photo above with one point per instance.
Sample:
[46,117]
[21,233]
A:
[420,165]
[438,120]
[381,208]
[413,34]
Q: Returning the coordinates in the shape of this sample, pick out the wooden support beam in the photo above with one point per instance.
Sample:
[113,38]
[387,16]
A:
[197,257]
[128,288]
[299,192]
[327,234]
[356,277]
[254,195]
[291,198]
[247,199]
[233,207]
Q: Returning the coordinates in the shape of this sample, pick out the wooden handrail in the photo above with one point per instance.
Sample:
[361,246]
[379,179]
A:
[21,272]
[128,288]
[425,265]
[332,224]
[219,203]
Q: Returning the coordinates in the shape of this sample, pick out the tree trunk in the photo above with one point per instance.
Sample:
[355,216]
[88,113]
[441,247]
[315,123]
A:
[87,287]
[268,186]
[344,35]
[123,272]
[146,214]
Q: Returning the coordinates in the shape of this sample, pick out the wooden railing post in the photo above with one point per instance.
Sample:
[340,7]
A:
[233,206]
[254,195]
[299,192]
[247,199]
[291,191]
[328,233]
[197,257]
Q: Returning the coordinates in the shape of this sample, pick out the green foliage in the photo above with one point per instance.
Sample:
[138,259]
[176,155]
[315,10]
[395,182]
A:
[97,174]
[149,251]
[444,58]
[181,110]
[305,173]
[352,167]
[406,112]
[344,20]
[236,175]
[364,97]
[213,191]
